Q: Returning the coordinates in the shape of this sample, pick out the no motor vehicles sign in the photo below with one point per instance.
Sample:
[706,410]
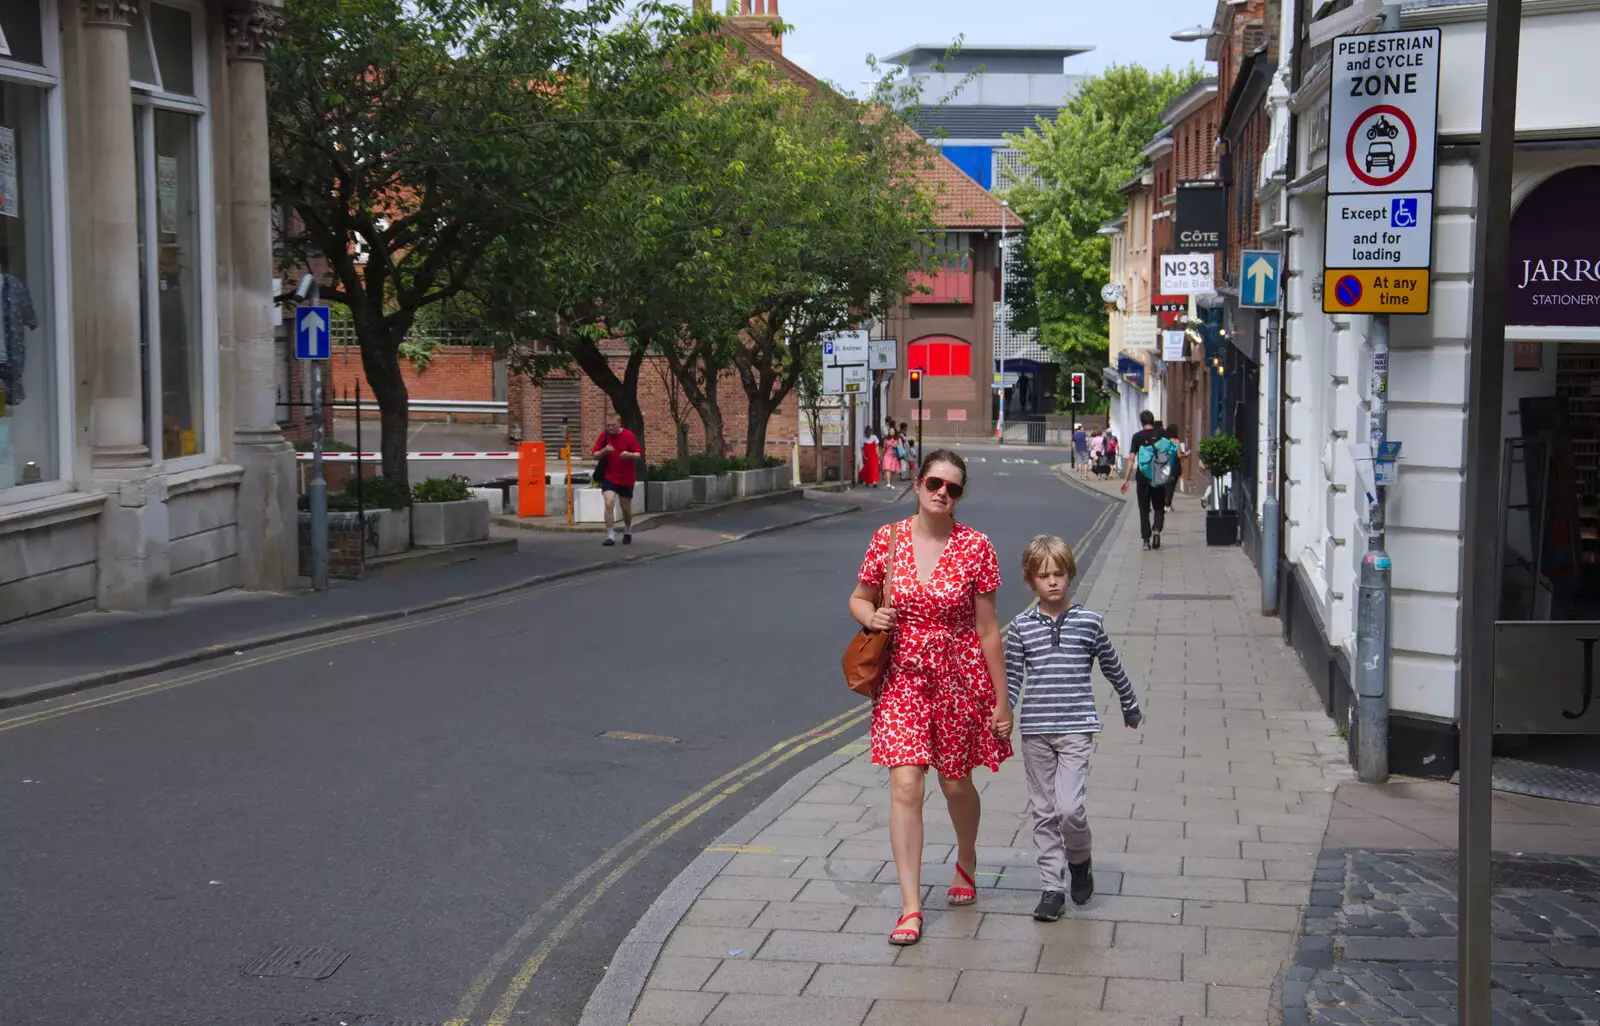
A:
[1385,112]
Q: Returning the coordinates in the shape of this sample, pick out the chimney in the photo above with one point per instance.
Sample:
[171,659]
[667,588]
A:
[757,18]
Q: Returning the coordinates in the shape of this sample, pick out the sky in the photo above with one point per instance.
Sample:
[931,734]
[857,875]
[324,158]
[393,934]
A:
[831,38]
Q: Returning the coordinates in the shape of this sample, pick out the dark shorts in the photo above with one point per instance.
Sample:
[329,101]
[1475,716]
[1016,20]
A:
[626,491]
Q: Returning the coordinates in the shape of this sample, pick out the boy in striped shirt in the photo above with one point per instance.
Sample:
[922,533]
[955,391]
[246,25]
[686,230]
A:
[1052,647]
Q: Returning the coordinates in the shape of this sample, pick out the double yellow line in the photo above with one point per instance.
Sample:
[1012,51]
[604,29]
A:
[275,655]
[666,825]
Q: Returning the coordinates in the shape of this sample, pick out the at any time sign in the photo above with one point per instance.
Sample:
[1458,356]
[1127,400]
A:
[1384,112]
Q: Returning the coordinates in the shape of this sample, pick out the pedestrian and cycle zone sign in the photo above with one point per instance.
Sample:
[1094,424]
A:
[1383,124]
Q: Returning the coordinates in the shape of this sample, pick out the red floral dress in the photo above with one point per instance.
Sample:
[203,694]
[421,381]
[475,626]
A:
[936,701]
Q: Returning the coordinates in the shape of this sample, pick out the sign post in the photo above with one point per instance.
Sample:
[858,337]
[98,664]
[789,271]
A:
[313,342]
[1383,118]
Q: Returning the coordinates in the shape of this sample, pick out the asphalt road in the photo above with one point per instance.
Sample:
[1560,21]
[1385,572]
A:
[415,793]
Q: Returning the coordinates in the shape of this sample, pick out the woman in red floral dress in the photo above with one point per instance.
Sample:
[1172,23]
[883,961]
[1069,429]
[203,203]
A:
[943,702]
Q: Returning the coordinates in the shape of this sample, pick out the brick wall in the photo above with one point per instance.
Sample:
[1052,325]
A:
[455,372]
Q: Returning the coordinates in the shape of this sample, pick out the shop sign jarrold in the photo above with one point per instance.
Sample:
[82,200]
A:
[1383,118]
[1555,253]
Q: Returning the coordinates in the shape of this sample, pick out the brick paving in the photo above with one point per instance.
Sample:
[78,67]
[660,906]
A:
[1207,826]
[1381,934]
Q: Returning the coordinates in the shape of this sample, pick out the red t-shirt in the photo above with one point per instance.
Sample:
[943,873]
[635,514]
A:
[618,470]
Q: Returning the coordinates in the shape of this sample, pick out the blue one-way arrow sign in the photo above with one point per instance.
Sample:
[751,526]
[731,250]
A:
[311,331]
[1258,277]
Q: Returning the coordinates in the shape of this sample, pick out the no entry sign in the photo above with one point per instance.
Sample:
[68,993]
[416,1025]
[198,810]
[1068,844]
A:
[1385,112]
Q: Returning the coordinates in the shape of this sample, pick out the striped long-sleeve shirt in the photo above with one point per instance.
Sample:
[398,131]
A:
[1053,658]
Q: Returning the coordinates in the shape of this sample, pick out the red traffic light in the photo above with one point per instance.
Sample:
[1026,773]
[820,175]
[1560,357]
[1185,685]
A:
[915,375]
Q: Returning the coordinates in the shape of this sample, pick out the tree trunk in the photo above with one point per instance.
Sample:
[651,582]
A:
[711,420]
[755,432]
[380,360]
[623,392]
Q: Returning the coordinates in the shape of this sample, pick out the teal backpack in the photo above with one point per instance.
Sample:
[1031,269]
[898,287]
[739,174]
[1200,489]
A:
[1155,461]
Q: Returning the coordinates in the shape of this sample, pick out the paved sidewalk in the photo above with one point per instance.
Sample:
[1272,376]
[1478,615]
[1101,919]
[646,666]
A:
[1207,827]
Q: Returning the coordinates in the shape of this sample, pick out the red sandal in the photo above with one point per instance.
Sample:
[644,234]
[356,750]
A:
[902,930]
[958,895]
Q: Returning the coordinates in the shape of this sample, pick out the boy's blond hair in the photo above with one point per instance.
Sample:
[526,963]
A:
[1046,550]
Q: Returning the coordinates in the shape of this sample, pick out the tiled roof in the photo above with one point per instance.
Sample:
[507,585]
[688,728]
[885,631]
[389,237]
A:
[962,202]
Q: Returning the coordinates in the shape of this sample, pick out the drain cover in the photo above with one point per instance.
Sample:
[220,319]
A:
[300,962]
[1552,873]
[1169,596]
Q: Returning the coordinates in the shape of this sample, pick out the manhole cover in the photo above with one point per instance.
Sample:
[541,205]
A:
[1554,874]
[1169,596]
[297,961]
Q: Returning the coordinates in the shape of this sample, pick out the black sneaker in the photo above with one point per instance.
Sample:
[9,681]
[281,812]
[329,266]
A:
[1082,881]
[609,541]
[1155,540]
[627,539]
[1051,905]
[1147,543]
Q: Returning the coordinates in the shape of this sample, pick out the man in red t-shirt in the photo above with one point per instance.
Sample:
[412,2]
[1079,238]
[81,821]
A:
[618,451]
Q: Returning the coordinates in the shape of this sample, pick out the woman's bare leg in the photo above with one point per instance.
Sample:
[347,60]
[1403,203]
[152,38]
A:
[966,808]
[906,788]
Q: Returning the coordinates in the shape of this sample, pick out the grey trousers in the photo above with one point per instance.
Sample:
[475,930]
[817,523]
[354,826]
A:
[1058,783]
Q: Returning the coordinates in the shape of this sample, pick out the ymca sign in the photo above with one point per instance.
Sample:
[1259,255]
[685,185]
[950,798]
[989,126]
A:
[1382,123]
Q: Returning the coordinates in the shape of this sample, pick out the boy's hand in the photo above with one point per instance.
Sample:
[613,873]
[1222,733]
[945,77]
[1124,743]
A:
[1001,723]
[1133,720]
[1124,486]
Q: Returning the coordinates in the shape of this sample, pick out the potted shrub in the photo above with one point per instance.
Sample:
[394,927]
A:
[444,512]
[668,488]
[1221,456]
[382,517]
[710,479]
[749,477]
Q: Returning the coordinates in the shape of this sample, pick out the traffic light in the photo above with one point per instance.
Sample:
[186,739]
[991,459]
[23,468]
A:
[1077,388]
[916,385]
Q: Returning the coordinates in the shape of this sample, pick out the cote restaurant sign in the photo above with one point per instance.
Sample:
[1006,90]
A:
[1555,253]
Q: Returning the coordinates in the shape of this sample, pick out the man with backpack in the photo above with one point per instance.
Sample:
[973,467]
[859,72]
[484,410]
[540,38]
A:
[1151,456]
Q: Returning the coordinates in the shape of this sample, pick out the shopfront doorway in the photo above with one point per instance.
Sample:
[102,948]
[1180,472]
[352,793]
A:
[1547,722]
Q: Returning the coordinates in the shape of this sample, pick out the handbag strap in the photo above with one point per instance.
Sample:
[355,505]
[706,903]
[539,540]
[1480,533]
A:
[886,596]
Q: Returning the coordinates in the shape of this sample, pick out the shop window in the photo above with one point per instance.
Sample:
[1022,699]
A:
[29,434]
[941,357]
[21,35]
[161,49]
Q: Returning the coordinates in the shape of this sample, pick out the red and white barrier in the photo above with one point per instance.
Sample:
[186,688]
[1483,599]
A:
[365,457]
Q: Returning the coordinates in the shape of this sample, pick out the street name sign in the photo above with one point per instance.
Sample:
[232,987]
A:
[885,354]
[1382,126]
[1258,277]
[312,332]
[845,380]
[1188,274]
[846,349]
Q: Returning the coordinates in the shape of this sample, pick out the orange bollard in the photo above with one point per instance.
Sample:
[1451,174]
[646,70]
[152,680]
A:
[530,479]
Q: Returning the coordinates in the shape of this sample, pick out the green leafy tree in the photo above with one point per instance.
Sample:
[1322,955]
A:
[410,138]
[1095,146]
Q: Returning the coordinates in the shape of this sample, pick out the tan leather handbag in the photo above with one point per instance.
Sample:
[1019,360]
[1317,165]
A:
[866,660]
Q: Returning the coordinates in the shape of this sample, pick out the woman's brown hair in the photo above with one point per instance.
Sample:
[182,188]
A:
[949,456]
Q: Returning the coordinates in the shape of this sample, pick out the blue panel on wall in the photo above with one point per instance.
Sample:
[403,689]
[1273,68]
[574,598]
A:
[976,161]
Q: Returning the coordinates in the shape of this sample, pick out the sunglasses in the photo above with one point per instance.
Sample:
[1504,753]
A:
[952,488]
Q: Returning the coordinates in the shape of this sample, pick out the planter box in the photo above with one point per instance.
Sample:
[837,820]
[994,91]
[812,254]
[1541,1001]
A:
[1222,528]
[450,523]
[354,538]
[712,487]
[751,482]
[589,504]
[666,496]
[782,477]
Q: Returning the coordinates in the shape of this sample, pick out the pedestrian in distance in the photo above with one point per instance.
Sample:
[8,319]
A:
[892,451]
[1080,450]
[618,452]
[1051,649]
[1177,464]
[1097,454]
[943,701]
[910,443]
[869,457]
[1111,449]
[1150,461]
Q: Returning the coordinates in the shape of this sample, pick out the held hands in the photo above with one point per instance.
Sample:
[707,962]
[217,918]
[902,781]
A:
[882,619]
[1001,722]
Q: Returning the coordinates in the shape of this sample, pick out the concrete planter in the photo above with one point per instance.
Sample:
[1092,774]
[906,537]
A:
[710,488]
[751,482]
[450,523]
[589,504]
[354,538]
[388,531]
[782,477]
[666,496]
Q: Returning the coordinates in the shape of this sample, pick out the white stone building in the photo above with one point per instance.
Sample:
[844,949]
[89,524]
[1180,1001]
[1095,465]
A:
[1327,372]
[140,456]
